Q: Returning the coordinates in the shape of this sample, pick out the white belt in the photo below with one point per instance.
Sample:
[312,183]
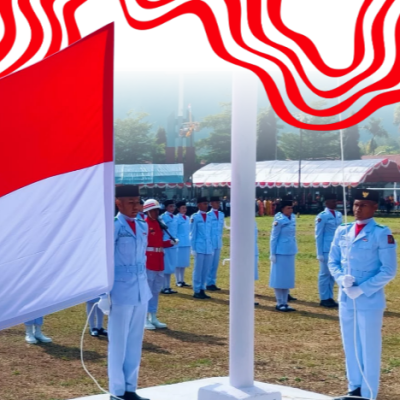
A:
[156,249]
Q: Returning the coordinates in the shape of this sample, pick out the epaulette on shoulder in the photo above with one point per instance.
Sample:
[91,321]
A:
[323,212]
[349,223]
[381,226]
[115,218]
[141,220]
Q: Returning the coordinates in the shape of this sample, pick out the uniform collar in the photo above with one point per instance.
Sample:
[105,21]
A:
[328,210]
[364,222]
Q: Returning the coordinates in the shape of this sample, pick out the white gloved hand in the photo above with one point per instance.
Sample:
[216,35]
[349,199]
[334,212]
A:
[320,258]
[348,281]
[105,305]
[272,257]
[193,253]
[353,292]
[174,243]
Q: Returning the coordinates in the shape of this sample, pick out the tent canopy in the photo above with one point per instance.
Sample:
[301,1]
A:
[313,173]
[149,175]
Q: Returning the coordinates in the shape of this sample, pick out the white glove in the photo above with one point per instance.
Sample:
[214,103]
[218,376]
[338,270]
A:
[225,260]
[272,257]
[353,292]
[320,258]
[193,253]
[174,243]
[105,305]
[348,281]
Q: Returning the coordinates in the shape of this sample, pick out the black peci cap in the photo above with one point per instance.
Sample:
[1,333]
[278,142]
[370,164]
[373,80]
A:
[168,203]
[202,200]
[365,194]
[179,204]
[215,198]
[127,191]
[286,201]
[331,196]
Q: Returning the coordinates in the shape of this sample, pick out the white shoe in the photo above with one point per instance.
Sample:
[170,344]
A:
[30,337]
[148,325]
[156,323]
[39,335]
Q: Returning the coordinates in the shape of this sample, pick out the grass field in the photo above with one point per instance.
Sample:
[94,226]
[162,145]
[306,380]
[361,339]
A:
[301,349]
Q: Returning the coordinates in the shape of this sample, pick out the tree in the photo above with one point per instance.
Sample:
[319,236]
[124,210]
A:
[267,131]
[134,143]
[315,144]
[396,116]
[351,138]
[161,136]
[217,147]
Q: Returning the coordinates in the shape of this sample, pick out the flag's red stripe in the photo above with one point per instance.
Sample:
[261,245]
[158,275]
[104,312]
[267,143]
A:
[57,116]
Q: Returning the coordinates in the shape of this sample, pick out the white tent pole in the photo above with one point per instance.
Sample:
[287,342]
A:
[244,126]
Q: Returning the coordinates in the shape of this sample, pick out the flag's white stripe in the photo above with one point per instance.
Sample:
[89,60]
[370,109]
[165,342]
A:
[56,243]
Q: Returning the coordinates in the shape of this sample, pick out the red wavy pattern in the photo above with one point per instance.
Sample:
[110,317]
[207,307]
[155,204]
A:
[37,32]
[206,15]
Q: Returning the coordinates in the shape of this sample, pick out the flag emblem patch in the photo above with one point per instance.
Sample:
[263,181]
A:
[390,239]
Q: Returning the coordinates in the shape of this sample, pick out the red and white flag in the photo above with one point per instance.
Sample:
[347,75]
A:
[57,180]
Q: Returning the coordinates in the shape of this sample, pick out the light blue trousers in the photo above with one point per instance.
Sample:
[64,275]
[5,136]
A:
[325,280]
[202,263]
[155,279]
[37,321]
[125,336]
[369,348]
[96,318]
[212,273]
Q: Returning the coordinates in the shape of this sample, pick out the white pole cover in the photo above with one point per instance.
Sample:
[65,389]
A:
[244,126]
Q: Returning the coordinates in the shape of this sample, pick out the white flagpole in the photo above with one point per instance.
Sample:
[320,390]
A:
[244,127]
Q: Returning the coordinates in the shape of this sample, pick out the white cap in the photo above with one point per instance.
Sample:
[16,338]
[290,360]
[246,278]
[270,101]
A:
[150,204]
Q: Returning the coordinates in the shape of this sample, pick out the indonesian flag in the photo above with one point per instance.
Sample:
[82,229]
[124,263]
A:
[57,180]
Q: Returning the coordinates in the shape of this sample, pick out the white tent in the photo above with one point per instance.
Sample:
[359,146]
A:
[313,173]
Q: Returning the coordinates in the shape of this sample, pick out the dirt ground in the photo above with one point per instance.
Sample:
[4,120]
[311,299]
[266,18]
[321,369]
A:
[301,349]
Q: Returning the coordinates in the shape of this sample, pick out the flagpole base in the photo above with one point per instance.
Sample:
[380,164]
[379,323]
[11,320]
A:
[221,391]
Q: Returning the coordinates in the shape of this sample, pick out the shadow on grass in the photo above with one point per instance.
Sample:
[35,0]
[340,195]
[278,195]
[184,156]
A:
[193,337]
[67,353]
[152,348]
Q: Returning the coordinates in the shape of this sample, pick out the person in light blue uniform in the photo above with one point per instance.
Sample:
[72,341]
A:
[183,232]
[326,224]
[217,223]
[34,334]
[96,318]
[283,249]
[363,261]
[170,254]
[202,247]
[127,302]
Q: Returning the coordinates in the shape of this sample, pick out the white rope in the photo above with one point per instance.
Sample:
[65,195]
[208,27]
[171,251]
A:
[347,255]
[82,361]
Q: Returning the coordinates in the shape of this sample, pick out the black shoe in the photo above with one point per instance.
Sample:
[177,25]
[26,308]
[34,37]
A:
[354,394]
[256,304]
[172,291]
[205,296]
[122,396]
[212,288]
[133,396]
[291,298]
[94,332]
[103,332]
[284,308]
[329,303]
[198,296]
[184,284]
[179,284]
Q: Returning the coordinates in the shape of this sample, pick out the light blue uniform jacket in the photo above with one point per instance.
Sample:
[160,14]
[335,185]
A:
[200,234]
[325,228]
[183,230]
[170,253]
[217,228]
[130,279]
[172,224]
[371,257]
[283,235]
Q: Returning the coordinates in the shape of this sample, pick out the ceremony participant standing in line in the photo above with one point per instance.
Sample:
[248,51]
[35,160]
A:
[156,246]
[33,330]
[326,224]
[96,318]
[171,254]
[128,300]
[363,261]
[283,250]
[184,244]
[141,215]
[216,218]
[202,248]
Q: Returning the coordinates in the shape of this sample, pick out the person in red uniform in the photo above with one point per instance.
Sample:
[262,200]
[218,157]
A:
[155,261]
